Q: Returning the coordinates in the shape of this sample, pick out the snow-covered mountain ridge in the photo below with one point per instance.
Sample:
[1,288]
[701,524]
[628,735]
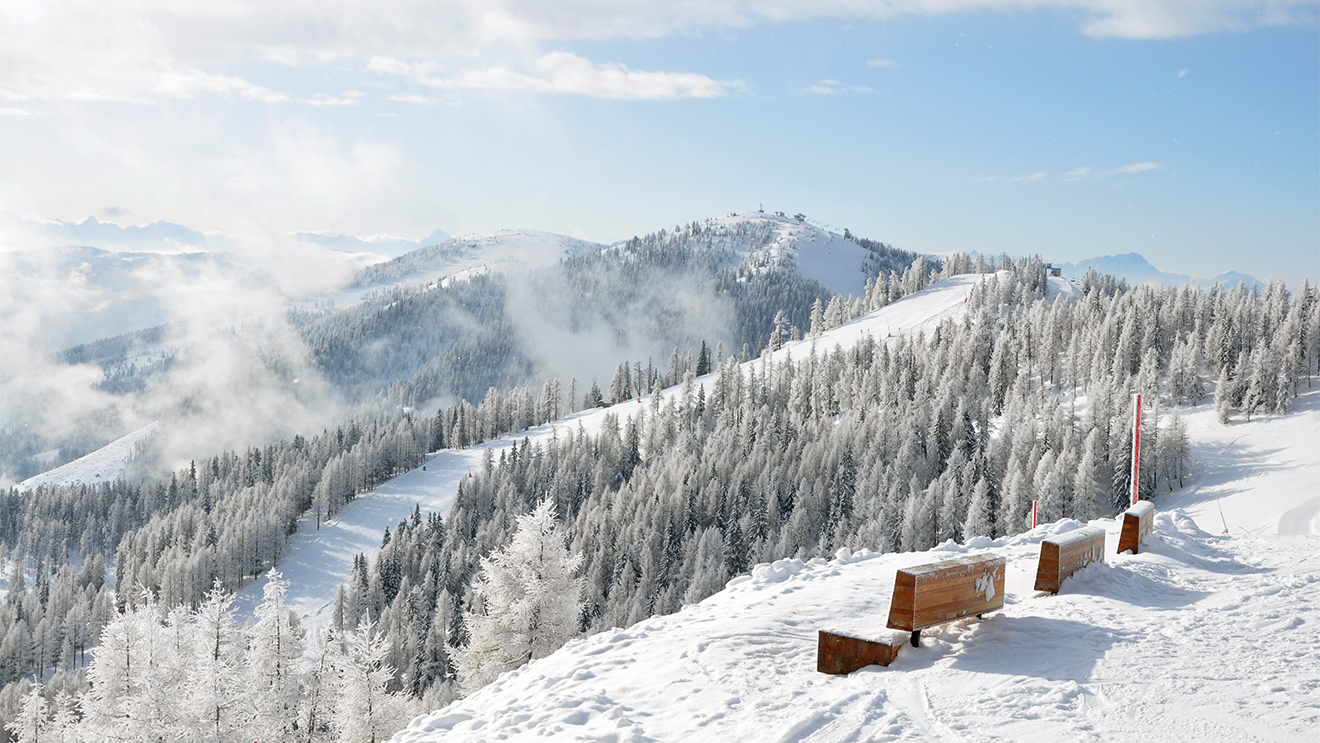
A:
[1201,636]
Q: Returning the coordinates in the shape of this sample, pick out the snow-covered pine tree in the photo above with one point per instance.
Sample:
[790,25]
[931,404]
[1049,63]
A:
[365,712]
[532,601]
[1223,396]
[32,725]
[274,660]
[316,713]
[217,705]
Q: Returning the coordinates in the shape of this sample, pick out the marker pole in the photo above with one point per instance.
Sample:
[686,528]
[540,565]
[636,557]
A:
[1136,448]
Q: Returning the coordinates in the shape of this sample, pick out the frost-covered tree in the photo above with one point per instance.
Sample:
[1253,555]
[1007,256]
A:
[32,725]
[532,601]
[274,660]
[218,706]
[365,712]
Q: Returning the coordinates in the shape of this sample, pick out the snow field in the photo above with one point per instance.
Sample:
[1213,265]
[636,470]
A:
[102,465]
[1199,637]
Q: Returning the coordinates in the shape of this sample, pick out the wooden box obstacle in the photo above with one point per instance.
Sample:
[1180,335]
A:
[1065,554]
[837,654]
[927,595]
[1137,521]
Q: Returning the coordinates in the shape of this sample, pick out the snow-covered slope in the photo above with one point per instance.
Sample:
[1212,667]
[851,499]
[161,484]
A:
[102,465]
[1255,478]
[320,559]
[1200,637]
[817,253]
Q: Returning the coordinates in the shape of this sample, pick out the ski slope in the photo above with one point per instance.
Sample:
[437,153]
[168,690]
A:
[1203,636]
[103,465]
[320,559]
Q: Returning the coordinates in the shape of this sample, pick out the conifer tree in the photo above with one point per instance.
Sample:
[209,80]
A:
[532,601]
[365,712]
[274,660]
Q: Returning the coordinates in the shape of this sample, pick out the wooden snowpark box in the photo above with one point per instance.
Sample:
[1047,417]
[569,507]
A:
[927,595]
[1137,521]
[1065,554]
[837,654]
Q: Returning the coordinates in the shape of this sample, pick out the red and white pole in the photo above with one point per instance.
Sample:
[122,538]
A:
[1136,449]
[1035,510]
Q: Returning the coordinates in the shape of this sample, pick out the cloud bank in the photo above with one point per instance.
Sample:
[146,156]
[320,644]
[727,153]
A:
[152,49]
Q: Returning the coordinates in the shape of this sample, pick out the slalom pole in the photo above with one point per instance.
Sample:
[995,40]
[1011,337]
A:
[1035,509]
[1136,449]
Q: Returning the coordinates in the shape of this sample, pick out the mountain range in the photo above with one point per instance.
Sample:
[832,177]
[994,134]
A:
[1137,270]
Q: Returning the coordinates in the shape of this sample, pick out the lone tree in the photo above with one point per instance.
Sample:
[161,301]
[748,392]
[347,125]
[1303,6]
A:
[532,601]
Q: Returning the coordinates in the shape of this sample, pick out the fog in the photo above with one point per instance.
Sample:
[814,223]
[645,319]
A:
[230,372]
[225,369]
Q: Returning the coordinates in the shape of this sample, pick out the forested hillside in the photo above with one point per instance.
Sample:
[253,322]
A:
[448,323]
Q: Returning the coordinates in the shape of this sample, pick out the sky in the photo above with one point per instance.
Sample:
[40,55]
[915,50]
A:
[1185,130]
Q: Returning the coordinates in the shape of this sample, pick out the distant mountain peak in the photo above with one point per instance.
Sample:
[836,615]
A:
[386,245]
[1134,268]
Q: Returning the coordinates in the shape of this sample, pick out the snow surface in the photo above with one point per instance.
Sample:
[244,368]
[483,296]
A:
[1061,287]
[1140,508]
[102,465]
[1258,478]
[1077,535]
[320,559]
[1202,636]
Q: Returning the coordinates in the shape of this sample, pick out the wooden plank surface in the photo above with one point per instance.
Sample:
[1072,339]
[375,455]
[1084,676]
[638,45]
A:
[1137,522]
[927,595]
[1062,556]
[838,654]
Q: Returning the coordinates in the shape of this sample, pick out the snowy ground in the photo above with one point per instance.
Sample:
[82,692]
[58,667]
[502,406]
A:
[1202,636]
[1261,477]
[319,560]
[102,465]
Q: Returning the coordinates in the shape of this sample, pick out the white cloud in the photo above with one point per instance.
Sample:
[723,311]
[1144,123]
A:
[832,87]
[1183,73]
[423,99]
[566,73]
[321,99]
[151,49]
[1030,177]
[878,62]
[1087,173]
[1134,168]
[17,113]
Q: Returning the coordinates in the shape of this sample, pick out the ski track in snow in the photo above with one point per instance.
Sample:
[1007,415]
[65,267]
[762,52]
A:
[319,560]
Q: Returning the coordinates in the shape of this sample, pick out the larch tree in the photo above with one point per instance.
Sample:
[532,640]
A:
[365,711]
[531,597]
[274,660]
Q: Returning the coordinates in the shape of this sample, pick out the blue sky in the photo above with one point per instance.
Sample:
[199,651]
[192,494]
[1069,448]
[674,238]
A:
[1188,131]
